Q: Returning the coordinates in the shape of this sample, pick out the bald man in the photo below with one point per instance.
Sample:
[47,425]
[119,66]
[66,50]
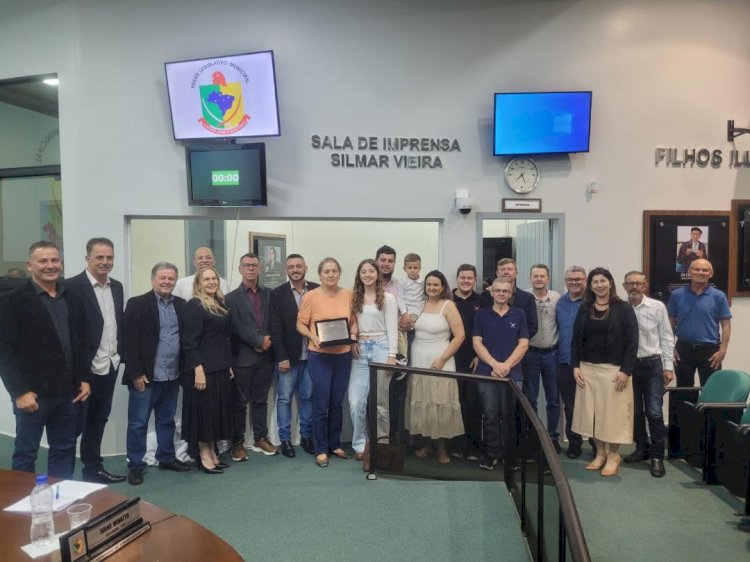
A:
[700,316]
[203,257]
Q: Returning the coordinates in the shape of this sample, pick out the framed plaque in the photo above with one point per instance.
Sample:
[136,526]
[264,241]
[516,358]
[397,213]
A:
[333,332]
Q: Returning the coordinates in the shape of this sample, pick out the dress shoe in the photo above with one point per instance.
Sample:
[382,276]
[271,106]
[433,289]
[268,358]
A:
[135,476]
[239,454]
[657,468]
[287,449]
[177,466]
[207,470]
[307,445]
[101,476]
[636,456]
[556,445]
[340,454]
[574,451]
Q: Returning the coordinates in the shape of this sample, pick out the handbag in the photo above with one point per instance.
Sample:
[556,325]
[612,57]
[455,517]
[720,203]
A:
[390,456]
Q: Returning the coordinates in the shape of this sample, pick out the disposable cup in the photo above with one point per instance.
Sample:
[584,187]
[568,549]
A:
[78,514]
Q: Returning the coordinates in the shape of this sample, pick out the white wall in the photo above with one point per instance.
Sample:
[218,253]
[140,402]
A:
[663,74]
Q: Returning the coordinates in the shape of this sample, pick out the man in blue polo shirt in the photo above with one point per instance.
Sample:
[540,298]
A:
[697,312]
[501,338]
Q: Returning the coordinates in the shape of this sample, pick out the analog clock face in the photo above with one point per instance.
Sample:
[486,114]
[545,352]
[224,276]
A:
[522,174]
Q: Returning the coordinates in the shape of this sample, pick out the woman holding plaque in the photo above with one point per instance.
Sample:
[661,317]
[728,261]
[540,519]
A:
[433,407]
[603,354]
[326,320]
[206,405]
[377,318]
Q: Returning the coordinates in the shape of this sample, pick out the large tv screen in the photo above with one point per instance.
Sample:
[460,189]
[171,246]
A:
[233,176]
[542,123]
[223,97]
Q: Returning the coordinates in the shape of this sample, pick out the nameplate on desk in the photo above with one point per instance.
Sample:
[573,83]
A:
[333,332]
[105,534]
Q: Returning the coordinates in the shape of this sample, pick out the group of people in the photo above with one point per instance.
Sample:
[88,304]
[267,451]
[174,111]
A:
[608,359]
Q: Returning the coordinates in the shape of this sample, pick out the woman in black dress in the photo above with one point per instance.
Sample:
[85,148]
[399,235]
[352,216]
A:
[206,407]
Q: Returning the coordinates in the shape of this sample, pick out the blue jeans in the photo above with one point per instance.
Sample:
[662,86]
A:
[543,363]
[296,378]
[59,415]
[161,398]
[492,397]
[330,377]
[375,350]
[648,394]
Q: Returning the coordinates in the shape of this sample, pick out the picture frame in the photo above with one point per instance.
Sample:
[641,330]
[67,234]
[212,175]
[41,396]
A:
[673,239]
[271,251]
[739,249]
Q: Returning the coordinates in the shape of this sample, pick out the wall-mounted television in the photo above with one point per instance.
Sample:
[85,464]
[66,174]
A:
[224,97]
[542,122]
[230,176]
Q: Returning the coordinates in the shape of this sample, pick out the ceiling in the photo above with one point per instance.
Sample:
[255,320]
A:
[30,93]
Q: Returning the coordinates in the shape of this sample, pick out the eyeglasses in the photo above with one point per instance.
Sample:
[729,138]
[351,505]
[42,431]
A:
[634,283]
[249,265]
[573,280]
[501,291]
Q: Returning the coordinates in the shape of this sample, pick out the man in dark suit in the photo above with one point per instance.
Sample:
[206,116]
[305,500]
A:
[102,304]
[252,359]
[290,351]
[42,363]
[152,368]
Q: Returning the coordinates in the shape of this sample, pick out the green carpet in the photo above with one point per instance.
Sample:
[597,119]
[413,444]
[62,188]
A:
[274,508]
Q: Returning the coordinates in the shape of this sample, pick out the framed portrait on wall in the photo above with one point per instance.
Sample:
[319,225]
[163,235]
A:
[672,240]
[271,249]
[739,249]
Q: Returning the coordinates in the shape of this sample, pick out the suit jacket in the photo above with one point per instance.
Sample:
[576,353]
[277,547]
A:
[206,339]
[622,336]
[287,341]
[92,335]
[523,300]
[142,330]
[31,355]
[247,332]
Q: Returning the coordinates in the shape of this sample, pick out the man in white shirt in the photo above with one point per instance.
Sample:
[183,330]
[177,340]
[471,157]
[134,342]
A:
[202,258]
[103,307]
[654,369]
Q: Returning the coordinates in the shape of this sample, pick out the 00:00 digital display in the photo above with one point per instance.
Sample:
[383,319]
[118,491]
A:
[225,177]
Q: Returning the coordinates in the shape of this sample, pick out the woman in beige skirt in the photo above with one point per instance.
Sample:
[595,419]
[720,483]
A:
[604,349]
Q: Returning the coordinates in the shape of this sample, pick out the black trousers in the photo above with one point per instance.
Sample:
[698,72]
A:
[94,415]
[694,357]
[567,385]
[251,386]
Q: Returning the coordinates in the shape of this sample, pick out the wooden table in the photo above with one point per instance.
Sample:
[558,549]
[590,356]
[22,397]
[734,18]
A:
[172,537]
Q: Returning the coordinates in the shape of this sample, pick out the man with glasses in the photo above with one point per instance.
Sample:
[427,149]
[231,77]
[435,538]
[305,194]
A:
[252,360]
[566,311]
[653,371]
[541,359]
[500,338]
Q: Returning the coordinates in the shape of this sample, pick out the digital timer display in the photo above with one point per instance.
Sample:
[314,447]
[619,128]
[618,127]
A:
[225,178]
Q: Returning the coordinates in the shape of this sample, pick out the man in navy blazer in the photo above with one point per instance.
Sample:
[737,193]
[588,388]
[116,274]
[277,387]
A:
[252,358]
[290,351]
[102,305]
[152,369]
[42,363]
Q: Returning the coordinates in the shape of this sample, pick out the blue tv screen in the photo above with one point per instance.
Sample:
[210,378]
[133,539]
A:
[542,123]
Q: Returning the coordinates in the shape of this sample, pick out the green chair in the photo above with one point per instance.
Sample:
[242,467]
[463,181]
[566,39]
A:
[695,411]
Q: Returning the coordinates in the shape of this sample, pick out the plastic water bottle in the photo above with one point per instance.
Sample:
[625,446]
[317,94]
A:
[42,521]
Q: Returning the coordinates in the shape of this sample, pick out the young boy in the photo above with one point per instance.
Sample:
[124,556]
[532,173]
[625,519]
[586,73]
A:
[410,299]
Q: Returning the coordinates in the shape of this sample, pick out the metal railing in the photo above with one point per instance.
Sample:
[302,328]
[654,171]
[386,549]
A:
[530,465]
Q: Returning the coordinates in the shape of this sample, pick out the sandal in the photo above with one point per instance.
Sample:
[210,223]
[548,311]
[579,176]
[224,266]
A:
[424,452]
[341,454]
[321,461]
[359,456]
[443,457]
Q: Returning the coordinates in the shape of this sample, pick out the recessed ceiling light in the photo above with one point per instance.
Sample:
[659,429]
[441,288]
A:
[51,81]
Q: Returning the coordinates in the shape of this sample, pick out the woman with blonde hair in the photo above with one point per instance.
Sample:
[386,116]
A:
[206,406]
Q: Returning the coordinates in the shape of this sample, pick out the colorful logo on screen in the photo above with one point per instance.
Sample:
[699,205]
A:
[222,106]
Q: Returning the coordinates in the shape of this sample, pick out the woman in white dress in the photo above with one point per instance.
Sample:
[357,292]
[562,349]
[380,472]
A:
[433,407]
